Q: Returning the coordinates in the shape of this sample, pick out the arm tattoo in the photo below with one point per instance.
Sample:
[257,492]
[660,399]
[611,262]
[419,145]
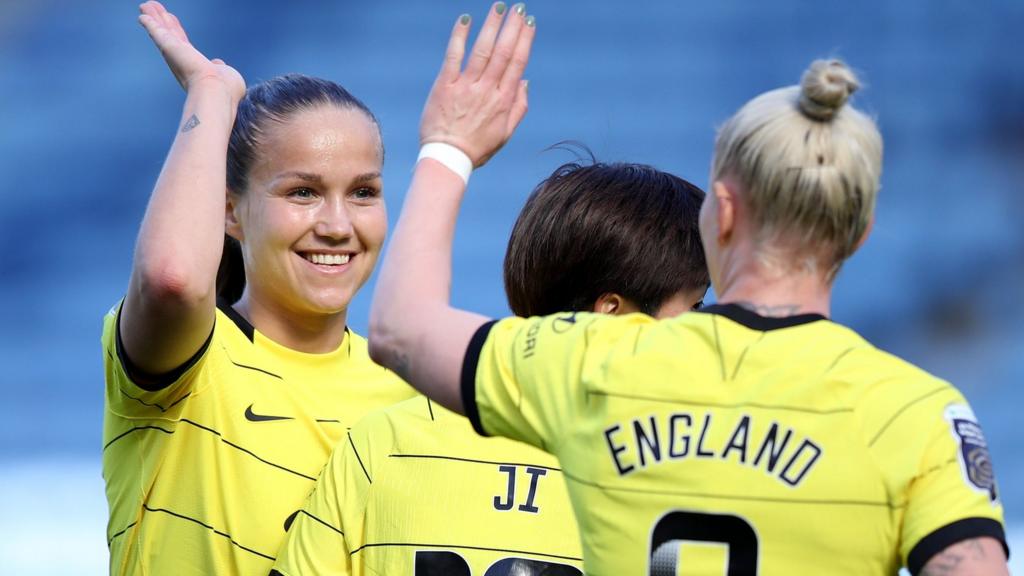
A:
[779,311]
[191,123]
[953,557]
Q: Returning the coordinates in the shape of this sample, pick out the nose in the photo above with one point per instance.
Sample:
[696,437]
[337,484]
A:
[333,219]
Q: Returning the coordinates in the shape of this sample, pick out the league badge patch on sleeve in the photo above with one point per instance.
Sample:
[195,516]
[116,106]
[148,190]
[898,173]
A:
[975,462]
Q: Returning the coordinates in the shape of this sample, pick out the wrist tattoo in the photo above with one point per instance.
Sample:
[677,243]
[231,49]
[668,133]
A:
[779,311]
[191,123]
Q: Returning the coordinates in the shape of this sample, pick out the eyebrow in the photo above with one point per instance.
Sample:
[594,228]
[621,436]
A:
[317,179]
[366,177]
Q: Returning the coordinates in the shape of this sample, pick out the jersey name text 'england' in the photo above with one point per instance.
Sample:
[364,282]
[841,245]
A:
[777,449]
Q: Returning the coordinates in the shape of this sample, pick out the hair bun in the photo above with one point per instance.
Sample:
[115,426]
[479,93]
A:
[824,88]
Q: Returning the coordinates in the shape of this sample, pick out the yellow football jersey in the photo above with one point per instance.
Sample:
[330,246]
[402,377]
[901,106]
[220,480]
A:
[723,442]
[202,474]
[414,491]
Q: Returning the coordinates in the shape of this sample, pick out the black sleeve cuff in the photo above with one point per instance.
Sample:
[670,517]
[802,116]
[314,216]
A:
[468,383]
[950,534]
[156,382]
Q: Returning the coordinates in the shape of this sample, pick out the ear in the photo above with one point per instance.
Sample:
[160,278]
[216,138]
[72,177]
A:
[725,209]
[867,231]
[232,225]
[614,304]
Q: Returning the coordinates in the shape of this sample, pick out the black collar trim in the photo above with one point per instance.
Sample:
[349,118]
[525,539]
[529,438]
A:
[243,324]
[755,321]
[248,329]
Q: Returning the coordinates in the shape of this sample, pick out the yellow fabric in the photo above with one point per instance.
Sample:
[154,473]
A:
[194,486]
[806,441]
[415,491]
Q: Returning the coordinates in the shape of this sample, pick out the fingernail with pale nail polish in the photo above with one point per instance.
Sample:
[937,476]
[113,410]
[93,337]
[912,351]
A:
[499,7]
[531,21]
[464,19]
[520,8]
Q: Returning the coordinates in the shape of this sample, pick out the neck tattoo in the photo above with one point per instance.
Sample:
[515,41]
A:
[776,311]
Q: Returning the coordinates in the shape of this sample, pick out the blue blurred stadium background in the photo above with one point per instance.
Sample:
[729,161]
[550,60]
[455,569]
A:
[88,111]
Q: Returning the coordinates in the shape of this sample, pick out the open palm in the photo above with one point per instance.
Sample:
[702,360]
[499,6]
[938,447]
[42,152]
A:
[477,109]
[189,66]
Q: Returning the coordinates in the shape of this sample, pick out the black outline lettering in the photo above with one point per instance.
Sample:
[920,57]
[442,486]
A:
[773,455]
[615,451]
[642,439]
[672,435]
[795,457]
[701,453]
[505,507]
[744,426]
[535,474]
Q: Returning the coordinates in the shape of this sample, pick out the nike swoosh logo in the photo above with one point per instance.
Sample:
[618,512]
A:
[254,417]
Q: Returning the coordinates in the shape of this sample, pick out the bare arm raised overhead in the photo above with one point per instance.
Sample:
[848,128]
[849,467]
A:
[168,311]
[413,328]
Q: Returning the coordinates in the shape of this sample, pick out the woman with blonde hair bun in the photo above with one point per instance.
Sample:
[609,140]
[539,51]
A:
[809,167]
[756,424]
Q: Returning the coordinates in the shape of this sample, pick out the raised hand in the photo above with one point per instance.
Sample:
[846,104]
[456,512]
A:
[189,66]
[478,109]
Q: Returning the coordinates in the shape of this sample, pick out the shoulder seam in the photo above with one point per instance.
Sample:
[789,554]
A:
[303,511]
[903,409]
[358,459]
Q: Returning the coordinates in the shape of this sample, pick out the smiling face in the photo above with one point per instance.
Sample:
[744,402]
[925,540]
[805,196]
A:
[312,219]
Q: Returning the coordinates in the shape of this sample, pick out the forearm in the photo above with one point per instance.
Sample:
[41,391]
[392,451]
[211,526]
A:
[182,232]
[976,556]
[422,243]
[413,329]
[169,305]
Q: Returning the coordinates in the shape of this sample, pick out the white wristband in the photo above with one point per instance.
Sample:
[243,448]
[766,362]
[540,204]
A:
[454,159]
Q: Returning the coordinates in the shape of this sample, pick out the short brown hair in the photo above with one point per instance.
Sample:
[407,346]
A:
[592,229]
